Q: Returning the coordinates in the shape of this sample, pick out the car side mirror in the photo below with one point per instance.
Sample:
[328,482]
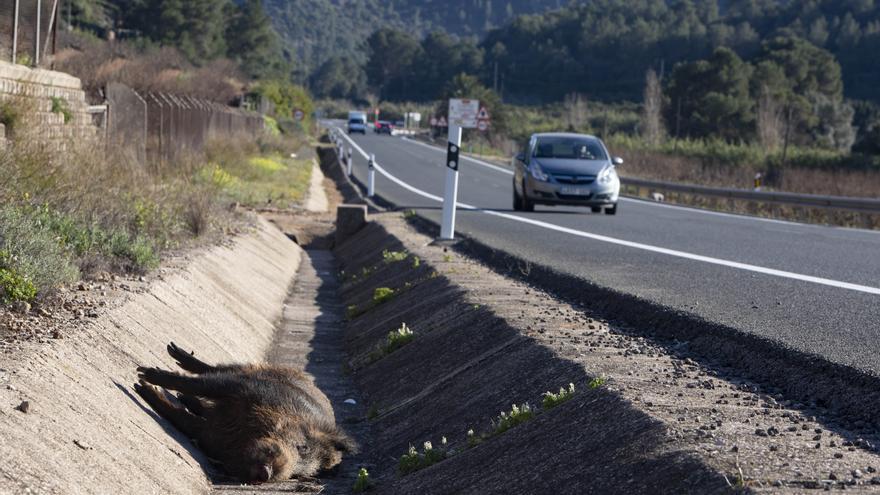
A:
[521,157]
[617,160]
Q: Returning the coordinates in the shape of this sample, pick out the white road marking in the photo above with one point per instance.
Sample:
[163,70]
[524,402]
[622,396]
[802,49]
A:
[635,245]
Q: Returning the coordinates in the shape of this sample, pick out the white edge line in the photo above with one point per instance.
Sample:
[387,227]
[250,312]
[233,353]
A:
[635,245]
[676,207]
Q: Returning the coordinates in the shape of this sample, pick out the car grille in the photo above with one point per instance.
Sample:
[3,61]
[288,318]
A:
[574,179]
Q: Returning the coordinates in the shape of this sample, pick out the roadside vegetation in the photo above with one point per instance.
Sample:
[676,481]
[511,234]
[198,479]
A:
[58,223]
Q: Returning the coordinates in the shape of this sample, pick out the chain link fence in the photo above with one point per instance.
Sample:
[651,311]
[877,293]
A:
[157,127]
[28,30]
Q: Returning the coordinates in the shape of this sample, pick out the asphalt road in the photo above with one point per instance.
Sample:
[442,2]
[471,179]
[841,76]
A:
[812,288]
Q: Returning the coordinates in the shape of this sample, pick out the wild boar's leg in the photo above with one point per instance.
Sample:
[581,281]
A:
[188,424]
[210,386]
[189,362]
[193,403]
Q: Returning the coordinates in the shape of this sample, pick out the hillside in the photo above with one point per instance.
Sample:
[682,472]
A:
[317,30]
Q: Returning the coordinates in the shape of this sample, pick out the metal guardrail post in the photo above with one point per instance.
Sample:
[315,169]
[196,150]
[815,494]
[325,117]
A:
[348,162]
[37,35]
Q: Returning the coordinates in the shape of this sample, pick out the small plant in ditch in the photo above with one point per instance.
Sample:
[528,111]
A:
[416,262]
[552,400]
[393,256]
[382,295]
[447,258]
[352,312]
[473,439]
[398,338]
[597,382]
[373,412]
[507,420]
[363,481]
[414,460]
[409,214]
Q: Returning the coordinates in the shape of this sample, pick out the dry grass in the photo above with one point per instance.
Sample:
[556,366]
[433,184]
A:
[71,214]
[659,166]
[97,62]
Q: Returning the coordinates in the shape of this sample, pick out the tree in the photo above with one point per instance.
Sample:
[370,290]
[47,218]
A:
[652,106]
[391,57]
[195,27]
[834,129]
[253,42]
[340,77]
[711,97]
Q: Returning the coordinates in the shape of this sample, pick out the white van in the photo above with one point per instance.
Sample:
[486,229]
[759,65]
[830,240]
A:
[357,122]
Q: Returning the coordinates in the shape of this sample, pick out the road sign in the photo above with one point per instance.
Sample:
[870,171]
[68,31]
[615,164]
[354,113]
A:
[482,125]
[298,115]
[483,114]
[416,116]
[442,122]
[434,121]
[463,113]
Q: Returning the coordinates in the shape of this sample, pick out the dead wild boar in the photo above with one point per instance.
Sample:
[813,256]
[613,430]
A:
[262,423]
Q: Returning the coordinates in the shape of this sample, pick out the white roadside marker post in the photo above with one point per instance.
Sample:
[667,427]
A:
[348,161]
[371,181]
[450,195]
[462,114]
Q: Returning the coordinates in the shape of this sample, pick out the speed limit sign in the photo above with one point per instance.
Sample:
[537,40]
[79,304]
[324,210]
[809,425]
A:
[483,125]
[298,114]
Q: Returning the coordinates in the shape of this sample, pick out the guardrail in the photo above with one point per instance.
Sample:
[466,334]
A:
[867,205]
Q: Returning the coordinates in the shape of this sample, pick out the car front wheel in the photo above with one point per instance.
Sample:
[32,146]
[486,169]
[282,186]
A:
[611,210]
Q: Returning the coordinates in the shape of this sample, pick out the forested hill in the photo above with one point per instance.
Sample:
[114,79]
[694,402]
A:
[603,47]
[318,30]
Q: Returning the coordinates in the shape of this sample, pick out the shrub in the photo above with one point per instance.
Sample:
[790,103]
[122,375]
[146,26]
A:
[414,460]
[517,415]
[397,339]
[597,382]
[32,254]
[59,105]
[552,400]
[382,295]
[393,256]
[14,287]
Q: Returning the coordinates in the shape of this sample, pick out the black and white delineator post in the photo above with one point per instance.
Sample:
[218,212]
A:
[462,115]
[450,195]
[371,179]
[348,161]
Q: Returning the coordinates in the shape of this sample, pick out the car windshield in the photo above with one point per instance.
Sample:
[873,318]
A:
[356,121]
[577,148]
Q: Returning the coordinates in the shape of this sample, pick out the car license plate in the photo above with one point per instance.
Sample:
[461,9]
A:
[575,191]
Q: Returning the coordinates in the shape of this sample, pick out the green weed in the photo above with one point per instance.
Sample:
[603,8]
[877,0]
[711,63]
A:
[393,256]
[447,258]
[414,460]
[373,412]
[409,214]
[416,262]
[59,105]
[597,382]
[507,420]
[363,481]
[552,400]
[398,338]
[382,295]
[14,287]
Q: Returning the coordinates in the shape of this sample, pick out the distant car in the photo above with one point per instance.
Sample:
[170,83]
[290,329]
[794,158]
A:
[566,169]
[357,124]
[383,127]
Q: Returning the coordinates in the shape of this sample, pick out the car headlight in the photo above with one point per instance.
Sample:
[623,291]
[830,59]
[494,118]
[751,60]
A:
[608,174]
[537,173]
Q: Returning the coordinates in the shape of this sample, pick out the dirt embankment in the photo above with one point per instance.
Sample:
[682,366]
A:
[85,431]
[644,418]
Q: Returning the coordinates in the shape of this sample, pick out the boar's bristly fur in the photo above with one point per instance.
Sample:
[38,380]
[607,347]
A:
[262,423]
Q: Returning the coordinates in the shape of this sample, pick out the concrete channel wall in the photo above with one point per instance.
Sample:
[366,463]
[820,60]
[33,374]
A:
[86,430]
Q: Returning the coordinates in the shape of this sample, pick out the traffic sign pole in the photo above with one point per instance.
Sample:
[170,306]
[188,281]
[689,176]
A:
[450,196]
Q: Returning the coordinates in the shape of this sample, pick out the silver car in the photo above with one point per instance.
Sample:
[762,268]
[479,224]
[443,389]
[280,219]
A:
[566,169]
